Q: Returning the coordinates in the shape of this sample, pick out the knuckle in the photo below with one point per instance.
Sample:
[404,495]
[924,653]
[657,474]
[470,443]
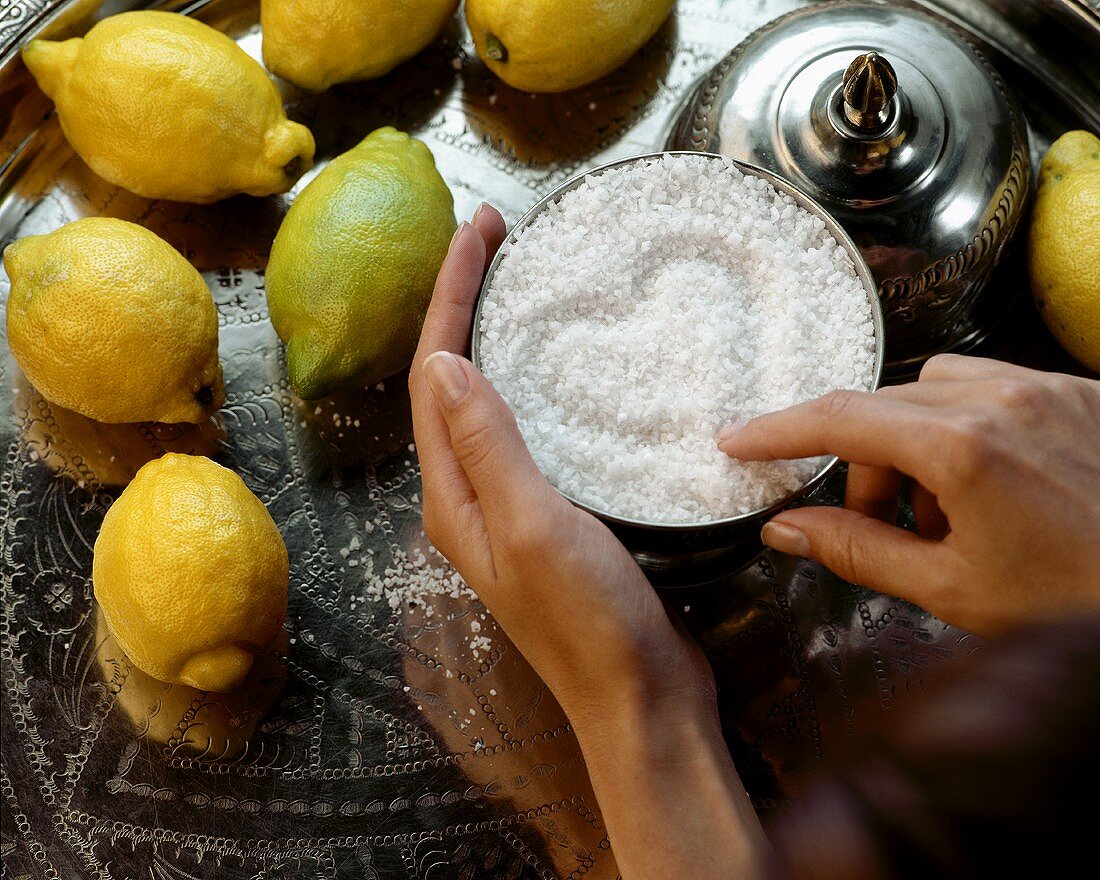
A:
[848,559]
[1074,389]
[1021,395]
[527,540]
[966,441]
[836,403]
[475,443]
[937,365]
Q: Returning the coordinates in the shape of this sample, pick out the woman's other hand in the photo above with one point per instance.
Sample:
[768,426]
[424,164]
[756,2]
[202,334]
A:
[1005,464]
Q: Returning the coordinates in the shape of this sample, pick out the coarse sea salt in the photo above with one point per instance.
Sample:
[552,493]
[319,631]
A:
[650,306]
[416,584]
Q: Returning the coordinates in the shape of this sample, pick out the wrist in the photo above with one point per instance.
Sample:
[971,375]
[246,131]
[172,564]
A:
[663,684]
[662,723]
[656,765]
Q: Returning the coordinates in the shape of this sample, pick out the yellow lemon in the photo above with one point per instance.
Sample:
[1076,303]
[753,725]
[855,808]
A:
[354,263]
[1064,248]
[169,108]
[318,43]
[552,45]
[109,320]
[191,573]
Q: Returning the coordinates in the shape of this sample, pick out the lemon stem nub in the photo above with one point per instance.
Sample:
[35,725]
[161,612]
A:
[494,48]
[293,168]
[205,395]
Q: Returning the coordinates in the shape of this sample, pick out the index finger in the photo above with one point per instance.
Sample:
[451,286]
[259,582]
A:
[856,426]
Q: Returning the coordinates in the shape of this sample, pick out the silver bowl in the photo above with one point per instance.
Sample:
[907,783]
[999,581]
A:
[683,554]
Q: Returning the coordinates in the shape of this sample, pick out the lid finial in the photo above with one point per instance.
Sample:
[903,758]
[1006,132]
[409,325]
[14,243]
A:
[869,86]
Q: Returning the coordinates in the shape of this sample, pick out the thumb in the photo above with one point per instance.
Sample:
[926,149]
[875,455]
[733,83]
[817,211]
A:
[485,439]
[861,550]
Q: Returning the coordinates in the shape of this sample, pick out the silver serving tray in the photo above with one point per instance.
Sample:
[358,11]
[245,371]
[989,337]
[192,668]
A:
[373,744]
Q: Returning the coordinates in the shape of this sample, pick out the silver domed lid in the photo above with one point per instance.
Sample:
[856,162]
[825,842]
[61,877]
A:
[900,128]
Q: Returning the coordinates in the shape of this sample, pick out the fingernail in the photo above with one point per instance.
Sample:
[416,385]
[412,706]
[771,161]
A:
[461,227]
[730,431]
[446,378]
[477,213]
[786,539]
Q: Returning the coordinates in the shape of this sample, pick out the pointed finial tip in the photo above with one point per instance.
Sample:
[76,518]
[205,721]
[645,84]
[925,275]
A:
[870,84]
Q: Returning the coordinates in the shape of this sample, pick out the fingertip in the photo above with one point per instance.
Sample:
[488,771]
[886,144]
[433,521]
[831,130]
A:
[866,551]
[490,223]
[446,377]
[462,231]
[727,437]
[460,274]
[447,324]
[785,538]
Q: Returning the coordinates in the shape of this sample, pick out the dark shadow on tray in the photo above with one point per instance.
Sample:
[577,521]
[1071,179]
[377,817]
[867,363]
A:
[187,722]
[408,98]
[540,129]
[356,427]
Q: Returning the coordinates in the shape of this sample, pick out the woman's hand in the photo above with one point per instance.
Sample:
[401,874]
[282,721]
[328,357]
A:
[559,583]
[637,690]
[1006,464]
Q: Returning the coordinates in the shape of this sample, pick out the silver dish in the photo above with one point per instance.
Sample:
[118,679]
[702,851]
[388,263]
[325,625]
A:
[931,181]
[683,554]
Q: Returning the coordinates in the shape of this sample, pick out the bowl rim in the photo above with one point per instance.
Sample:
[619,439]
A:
[804,201]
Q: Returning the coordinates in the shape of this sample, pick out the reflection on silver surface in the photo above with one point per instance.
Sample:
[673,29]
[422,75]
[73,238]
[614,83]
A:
[931,186]
[372,744]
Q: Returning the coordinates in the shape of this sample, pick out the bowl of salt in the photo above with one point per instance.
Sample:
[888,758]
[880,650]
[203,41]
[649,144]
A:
[645,304]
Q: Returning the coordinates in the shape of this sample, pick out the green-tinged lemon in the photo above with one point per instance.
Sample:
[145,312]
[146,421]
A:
[354,263]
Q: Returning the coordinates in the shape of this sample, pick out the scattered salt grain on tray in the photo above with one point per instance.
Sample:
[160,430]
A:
[417,583]
[650,306]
